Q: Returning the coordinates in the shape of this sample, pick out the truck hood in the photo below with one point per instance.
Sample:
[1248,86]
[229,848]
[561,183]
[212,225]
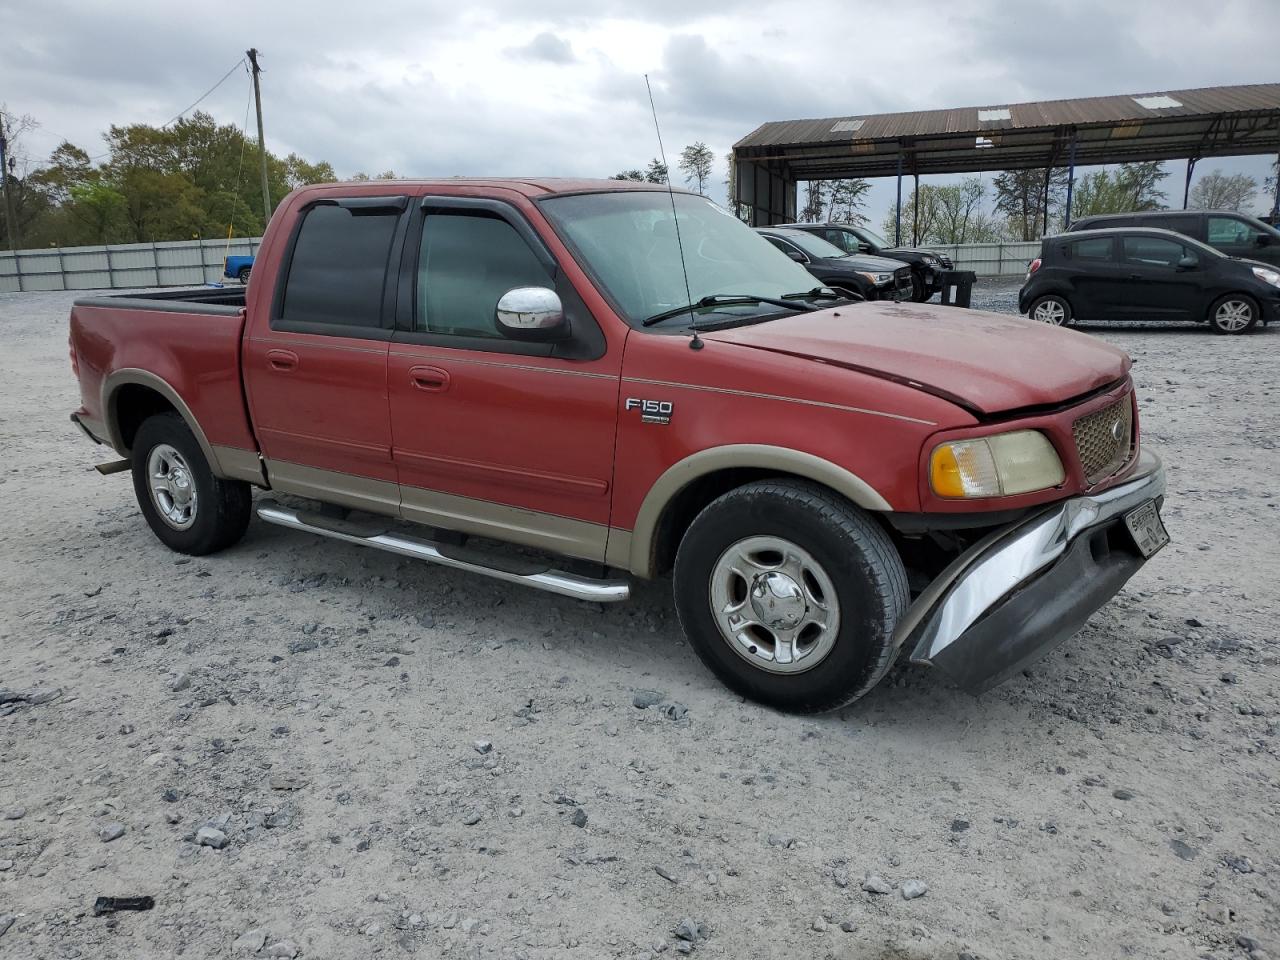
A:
[987,363]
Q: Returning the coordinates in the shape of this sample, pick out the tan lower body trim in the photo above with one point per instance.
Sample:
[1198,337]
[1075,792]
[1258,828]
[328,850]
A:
[545,531]
[329,486]
[618,553]
[240,464]
[498,521]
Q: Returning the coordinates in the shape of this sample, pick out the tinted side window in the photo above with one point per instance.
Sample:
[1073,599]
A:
[339,266]
[843,239]
[1228,231]
[465,264]
[1095,249]
[1184,225]
[1151,251]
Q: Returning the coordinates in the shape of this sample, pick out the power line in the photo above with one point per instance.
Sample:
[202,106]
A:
[239,63]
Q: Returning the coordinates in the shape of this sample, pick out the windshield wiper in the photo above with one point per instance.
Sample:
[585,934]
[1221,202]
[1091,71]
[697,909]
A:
[817,293]
[722,299]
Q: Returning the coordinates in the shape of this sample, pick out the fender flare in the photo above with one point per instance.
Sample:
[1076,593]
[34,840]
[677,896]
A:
[132,375]
[639,549]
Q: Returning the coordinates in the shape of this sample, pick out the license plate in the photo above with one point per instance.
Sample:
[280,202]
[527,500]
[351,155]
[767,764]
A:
[1147,529]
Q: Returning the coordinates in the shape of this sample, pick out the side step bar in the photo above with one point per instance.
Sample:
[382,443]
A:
[512,570]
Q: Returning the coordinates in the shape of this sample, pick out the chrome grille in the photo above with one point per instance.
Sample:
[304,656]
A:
[1104,440]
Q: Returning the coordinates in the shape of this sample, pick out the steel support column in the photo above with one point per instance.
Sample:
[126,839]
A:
[915,210]
[1071,181]
[1275,206]
[897,224]
[1186,188]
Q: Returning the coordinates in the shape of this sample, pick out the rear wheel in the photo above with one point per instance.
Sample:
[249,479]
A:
[790,595]
[243,275]
[1052,309]
[188,508]
[1234,313]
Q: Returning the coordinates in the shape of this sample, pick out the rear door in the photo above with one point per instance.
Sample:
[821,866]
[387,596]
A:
[493,436]
[1155,286]
[316,376]
[1094,276]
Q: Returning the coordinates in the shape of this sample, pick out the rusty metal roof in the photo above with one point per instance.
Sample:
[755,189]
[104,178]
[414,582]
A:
[1159,125]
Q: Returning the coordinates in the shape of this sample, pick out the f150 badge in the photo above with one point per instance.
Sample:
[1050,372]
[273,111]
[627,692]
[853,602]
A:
[651,411]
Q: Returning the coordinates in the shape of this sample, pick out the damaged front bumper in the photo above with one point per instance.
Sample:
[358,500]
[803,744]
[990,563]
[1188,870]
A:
[1022,590]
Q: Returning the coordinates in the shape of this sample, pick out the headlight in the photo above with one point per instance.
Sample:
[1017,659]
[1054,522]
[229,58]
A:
[998,466]
[878,278]
[1267,276]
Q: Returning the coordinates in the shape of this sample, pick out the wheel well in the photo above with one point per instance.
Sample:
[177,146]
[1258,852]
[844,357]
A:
[131,405]
[680,512]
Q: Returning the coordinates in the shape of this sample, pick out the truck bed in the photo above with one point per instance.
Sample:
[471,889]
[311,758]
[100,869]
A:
[197,300]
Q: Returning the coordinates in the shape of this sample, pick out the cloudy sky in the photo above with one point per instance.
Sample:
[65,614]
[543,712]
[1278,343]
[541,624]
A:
[557,86]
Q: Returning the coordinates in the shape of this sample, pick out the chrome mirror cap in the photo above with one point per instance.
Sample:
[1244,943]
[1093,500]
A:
[531,313]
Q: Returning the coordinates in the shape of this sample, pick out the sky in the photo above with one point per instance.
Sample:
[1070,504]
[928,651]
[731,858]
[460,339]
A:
[556,87]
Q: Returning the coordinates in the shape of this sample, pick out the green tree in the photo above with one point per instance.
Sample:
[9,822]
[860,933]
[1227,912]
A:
[1132,186]
[1218,191]
[1020,198]
[637,175]
[695,163]
[846,200]
[656,172]
[815,201]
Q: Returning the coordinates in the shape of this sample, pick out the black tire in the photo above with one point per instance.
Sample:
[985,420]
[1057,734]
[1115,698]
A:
[220,511]
[854,553]
[1064,305]
[919,291]
[243,275]
[1232,326]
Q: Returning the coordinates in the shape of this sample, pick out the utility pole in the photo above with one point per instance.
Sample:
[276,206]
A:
[10,225]
[252,53]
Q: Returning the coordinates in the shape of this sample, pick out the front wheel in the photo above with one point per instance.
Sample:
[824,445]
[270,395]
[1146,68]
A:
[1053,310]
[188,508]
[790,595]
[1234,313]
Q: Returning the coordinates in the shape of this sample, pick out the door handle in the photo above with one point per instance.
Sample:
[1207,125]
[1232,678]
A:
[431,379]
[282,360]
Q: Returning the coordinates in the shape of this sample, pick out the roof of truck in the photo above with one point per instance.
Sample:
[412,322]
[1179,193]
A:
[529,186]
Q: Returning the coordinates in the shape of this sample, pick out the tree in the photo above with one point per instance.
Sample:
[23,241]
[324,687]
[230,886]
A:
[815,201]
[695,162]
[656,172]
[1133,186]
[1019,197]
[1218,191]
[957,205]
[846,200]
[927,200]
[637,175]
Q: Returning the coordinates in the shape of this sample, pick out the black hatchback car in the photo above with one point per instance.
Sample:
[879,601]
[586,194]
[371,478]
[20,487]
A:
[1147,274]
[872,278]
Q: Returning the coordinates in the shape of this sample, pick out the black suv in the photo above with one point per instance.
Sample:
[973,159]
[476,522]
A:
[1232,233]
[926,265]
[1146,274]
[872,278]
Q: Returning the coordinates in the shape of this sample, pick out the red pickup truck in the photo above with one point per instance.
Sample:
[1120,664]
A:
[625,382]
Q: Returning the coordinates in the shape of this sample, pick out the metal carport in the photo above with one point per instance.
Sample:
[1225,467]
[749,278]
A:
[1166,125]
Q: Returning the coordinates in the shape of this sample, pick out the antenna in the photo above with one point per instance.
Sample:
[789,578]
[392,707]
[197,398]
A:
[696,342]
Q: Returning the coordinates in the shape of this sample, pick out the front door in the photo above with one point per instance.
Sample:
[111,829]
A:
[1157,288]
[316,378]
[493,436]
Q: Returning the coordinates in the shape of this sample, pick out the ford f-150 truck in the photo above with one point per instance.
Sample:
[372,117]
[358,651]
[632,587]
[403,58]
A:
[570,384]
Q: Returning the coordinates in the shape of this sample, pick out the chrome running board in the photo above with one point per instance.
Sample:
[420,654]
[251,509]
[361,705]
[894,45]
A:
[512,570]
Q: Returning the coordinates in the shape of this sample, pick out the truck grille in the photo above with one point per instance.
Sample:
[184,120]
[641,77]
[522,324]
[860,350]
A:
[1104,440]
[902,283]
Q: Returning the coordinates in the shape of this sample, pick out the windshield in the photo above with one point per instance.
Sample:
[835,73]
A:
[813,246]
[627,241]
[874,238]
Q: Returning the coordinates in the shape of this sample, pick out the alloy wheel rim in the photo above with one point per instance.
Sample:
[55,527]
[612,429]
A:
[1233,316]
[173,488]
[774,604]
[1050,312]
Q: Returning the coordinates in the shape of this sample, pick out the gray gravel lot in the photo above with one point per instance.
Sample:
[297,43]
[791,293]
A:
[302,746]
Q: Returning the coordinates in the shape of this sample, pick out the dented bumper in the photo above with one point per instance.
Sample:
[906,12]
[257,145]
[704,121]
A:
[1022,590]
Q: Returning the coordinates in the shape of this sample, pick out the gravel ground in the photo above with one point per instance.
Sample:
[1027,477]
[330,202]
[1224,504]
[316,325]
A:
[302,746]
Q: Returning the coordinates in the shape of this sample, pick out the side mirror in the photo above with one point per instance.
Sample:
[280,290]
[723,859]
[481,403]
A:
[531,313]
[797,256]
[864,247]
[1188,263]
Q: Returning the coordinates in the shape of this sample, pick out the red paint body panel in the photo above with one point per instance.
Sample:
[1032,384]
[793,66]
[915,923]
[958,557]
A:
[992,362]
[864,387]
[198,355]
